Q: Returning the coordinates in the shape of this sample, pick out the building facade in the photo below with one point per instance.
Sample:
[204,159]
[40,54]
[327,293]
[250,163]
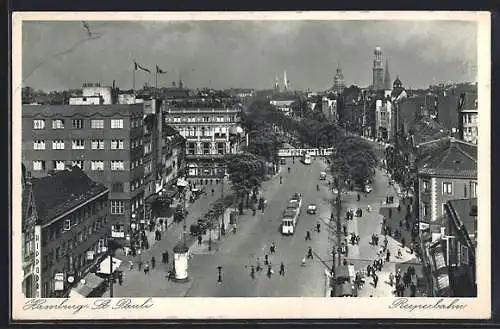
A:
[29,220]
[338,81]
[210,133]
[383,120]
[70,231]
[447,174]
[285,106]
[378,69]
[329,109]
[108,142]
[468,117]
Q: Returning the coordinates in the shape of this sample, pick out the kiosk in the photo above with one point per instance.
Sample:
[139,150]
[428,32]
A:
[181,257]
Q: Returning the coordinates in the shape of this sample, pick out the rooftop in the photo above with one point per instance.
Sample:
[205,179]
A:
[83,110]
[62,191]
[450,157]
[462,211]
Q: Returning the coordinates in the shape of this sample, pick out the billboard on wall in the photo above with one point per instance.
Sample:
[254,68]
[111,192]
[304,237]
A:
[38,262]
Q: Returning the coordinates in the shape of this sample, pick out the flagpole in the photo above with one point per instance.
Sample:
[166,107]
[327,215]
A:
[156,79]
[133,80]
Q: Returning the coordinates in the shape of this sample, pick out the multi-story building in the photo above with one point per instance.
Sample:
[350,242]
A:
[28,235]
[284,105]
[329,109]
[383,119]
[211,131]
[109,142]
[338,81]
[449,172]
[467,117]
[70,231]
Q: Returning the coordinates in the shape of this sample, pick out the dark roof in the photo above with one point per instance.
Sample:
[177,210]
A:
[458,158]
[426,130]
[461,210]
[58,111]
[446,104]
[61,191]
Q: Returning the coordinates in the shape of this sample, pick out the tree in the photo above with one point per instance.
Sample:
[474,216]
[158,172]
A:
[264,143]
[246,172]
[353,159]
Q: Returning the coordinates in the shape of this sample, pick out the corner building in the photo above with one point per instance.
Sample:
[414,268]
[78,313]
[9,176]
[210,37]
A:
[108,142]
[210,132]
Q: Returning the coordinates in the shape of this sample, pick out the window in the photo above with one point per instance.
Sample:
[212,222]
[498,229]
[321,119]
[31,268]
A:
[116,123]
[117,144]
[38,165]
[58,145]
[426,212]
[117,165]
[67,225]
[117,187]
[117,207]
[220,148]
[206,148]
[474,189]
[77,163]
[191,148]
[38,124]
[426,186]
[443,209]
[98,144]
[97,165]
[97,124]
[77,124]
[39,145]
[58,124]
[77,144]
[59,165]
[447,188]
[464,254]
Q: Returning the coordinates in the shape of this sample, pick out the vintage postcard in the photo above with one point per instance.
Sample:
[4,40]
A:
[251,165]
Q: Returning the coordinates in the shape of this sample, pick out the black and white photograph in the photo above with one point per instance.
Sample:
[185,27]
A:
[275,156]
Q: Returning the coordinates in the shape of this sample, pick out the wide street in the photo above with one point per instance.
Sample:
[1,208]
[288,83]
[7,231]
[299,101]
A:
[255,235]
[236,253]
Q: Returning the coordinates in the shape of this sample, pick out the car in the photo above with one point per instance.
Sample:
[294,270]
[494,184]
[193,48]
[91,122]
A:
[322,175]
[311,208]
[368,188]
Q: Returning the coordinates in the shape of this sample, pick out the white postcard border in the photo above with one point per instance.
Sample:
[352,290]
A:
[259,308]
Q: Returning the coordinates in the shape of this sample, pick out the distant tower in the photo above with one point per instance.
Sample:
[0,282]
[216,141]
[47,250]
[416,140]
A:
[181,85]
[378,69]
[387,76]
[338,81]
[277,84]
[285,82]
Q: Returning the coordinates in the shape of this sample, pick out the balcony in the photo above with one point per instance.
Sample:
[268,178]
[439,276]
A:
[203,156]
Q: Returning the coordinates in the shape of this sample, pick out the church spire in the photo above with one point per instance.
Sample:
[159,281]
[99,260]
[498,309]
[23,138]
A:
[387,76]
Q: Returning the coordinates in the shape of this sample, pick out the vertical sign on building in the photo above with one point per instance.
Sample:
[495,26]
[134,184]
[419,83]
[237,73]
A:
[38,261]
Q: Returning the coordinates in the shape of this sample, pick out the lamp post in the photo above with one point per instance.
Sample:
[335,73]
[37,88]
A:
[221,226]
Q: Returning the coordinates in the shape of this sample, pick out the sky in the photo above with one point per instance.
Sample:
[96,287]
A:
[245,54]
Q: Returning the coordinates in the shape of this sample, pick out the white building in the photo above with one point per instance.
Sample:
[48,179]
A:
[284,106]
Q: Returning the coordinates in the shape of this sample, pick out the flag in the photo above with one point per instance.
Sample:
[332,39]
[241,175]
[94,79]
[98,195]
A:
[139,67]
[160,71]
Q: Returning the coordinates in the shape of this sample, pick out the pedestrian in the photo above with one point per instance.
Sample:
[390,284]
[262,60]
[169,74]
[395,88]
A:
[308,235]
[318,226]
[413,290]
[140,264]
[388,256]
[282,269]
[166,257]
[272,249]
[146,268]
[281,180]
[252,272]
[375,280]
[309,253]
[269,271]
[219,279]
[153,262]
[399,208]
[131,265]
[403,242]
[199,239]
[368,270]
[266,259]
[391,279]
[344,227]
[213,192]
[400,254]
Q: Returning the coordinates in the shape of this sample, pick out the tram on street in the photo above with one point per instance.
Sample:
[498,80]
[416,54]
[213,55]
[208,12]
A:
[306,158]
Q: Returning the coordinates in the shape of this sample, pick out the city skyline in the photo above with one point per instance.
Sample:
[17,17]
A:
[56,54]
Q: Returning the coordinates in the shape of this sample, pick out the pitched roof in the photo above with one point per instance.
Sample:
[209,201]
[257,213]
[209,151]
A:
[457,158]
[57,193]
[461,210]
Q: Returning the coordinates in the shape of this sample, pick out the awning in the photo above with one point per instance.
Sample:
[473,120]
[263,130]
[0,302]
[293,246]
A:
[86,286]
[104,267]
